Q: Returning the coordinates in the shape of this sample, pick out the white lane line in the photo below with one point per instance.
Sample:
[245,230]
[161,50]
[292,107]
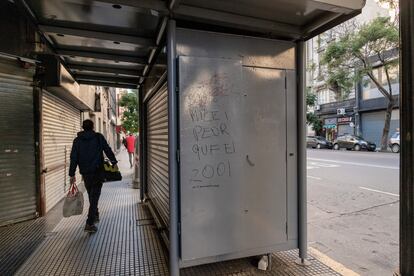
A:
[356,164]
[324,165]
[381,192]
[314,177]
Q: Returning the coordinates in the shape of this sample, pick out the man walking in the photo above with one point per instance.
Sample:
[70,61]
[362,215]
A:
[87,153]
[130,144]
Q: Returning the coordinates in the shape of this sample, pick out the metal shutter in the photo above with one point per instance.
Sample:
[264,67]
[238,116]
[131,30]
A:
[373,125]
[17,147]
[157,156]
[345,129]
[61,123]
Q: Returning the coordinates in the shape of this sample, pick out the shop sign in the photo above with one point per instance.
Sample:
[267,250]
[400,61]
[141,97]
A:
[344,120]
[330,121]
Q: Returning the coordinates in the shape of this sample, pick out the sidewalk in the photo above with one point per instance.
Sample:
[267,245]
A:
[127,243]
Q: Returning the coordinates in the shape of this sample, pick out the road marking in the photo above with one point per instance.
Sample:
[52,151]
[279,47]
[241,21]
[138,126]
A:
[381,192]
[318,165]
[314,177]
[338,267]
[324,165]
[356,164]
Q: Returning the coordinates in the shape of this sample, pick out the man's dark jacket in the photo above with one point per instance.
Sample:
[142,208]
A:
[87,151]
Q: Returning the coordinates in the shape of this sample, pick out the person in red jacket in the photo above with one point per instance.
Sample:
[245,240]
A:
[130,145]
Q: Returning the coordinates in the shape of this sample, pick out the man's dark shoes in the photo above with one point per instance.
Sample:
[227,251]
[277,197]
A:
[90,228]
[97,218]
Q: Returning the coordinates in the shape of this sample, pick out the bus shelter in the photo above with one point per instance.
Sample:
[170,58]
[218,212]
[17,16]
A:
[222,109]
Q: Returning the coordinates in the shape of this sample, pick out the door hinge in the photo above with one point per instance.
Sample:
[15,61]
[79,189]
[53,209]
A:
[179,228]
[178,156]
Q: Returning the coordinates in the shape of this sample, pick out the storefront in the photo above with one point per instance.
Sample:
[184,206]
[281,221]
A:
[346,125]
[329,127]
[18,195]
[373,125]
[60,120]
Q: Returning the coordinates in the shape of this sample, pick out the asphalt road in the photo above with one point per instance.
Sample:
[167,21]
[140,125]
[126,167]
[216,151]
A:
[353,203]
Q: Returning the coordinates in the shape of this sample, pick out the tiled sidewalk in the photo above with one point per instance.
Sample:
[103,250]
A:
[127,243]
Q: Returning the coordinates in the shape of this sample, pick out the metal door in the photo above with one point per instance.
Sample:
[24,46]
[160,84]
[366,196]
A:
[232,158]
[157,153]
[61,123]
[17,145]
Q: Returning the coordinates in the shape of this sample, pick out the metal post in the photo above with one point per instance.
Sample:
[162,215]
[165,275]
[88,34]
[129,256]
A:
[358,94]
[301,106]
[172,149]
[407,141]
[141,142]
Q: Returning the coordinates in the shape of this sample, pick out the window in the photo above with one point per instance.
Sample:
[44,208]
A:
[370,90]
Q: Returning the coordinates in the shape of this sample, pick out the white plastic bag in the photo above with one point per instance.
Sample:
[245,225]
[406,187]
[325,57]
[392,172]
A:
[73,204]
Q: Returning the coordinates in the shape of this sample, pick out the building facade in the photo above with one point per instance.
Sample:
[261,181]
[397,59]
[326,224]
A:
[361,111]
[104,116]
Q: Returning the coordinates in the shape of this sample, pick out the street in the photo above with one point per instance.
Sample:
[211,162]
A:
[353,205]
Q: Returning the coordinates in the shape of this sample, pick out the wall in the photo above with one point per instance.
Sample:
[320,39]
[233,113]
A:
[104,117]
[87,94]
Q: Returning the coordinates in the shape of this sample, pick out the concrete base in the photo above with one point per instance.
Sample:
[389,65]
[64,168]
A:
[136,184]
[302,262]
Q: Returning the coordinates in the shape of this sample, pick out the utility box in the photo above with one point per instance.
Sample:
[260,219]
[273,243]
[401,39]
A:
[238,187]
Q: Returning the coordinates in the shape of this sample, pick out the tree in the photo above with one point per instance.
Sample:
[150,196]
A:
[129,102]
[311,117]
[350,59]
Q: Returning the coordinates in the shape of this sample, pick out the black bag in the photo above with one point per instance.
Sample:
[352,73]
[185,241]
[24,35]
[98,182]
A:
[111,173]
[107,172]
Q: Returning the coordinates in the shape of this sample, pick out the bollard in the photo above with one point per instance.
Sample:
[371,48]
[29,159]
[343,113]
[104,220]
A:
[136,181]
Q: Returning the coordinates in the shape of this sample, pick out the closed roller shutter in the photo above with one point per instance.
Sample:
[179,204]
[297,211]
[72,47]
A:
[61,123]
[157,145]
[373,125]
[345,129]
[17,147]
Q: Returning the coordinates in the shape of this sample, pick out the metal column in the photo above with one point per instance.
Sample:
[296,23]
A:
[301,105]
[141,141]
[172,148]
[407,141]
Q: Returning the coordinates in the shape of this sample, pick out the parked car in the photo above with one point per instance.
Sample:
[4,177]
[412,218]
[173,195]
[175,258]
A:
[318,142]
[352,142]
[394,142]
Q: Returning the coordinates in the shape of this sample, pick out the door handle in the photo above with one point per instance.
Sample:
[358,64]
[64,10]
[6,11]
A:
[249,162]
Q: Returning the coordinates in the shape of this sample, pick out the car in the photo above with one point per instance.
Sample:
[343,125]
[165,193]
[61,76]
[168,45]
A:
[318,142]
[353,142]
[394,142]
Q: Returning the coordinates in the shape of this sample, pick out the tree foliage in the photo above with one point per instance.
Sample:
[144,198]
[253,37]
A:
[311,118]
[353,55]
[129,102]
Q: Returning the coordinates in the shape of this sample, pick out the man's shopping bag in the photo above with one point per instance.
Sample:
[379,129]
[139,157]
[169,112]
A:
[73,204]
[111,173]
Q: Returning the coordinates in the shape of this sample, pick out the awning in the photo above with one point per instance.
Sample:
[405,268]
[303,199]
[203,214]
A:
[116,42]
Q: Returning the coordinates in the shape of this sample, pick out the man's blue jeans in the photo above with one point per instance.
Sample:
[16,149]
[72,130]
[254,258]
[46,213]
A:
[93,186]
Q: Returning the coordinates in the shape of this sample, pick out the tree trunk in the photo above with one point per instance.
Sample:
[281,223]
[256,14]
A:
[386,130]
